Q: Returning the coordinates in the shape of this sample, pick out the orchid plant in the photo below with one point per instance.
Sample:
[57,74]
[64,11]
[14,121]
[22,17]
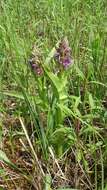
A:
[54,92]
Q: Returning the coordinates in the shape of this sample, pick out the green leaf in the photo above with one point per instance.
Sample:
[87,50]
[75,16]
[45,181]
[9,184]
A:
[2,171]
[77,102]
[4,158]
[12,94]
[66,189]
[51,54]
[66,140]
[1,188]
[19,95]
[80,73]
[91,101]
[47,182]
[79,156]
[105,187]
[54,79]
[99,83]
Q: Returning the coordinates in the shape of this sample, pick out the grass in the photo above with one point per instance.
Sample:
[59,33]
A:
[53,127]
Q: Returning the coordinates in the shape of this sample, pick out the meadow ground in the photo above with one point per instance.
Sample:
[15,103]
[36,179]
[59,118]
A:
[53,117]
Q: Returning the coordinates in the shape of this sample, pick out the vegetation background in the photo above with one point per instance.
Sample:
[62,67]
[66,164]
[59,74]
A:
[53,128]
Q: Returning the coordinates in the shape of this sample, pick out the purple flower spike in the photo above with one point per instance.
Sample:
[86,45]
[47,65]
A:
[35,61]
[36,68]
[67,62]
[63,53]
